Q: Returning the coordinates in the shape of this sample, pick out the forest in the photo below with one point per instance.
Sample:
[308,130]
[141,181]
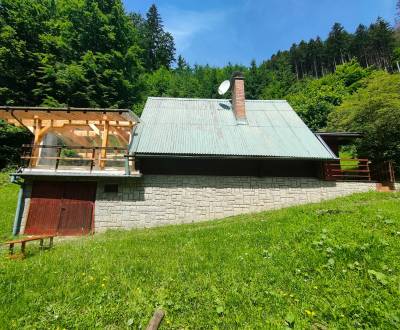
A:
[92,53]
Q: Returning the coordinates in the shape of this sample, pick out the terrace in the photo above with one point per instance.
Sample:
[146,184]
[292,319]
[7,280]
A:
[75,141]
[354,169]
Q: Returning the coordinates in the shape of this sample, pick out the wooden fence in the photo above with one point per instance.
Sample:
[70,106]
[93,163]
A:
[54,157]
[348,169]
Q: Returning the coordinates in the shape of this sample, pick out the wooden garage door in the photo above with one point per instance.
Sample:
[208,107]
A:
[61,208]
[44,209]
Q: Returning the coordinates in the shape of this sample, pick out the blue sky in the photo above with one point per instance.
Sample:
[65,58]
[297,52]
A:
[217,32]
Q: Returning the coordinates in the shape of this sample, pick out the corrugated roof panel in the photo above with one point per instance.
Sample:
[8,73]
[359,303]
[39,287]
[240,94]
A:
[208,127]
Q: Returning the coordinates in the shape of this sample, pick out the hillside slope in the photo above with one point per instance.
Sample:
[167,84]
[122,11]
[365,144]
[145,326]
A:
[8,203]
[333,264]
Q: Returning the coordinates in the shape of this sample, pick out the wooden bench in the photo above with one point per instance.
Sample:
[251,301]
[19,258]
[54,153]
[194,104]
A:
[24,240]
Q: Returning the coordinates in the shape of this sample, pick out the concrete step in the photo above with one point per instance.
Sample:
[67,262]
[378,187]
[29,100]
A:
[385,187]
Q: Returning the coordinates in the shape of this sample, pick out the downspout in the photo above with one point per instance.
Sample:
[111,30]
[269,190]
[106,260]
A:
[20,202]
[127,157]
[19,211]
[127,169]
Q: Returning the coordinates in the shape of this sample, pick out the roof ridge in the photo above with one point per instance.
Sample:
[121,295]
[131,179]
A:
[207,99]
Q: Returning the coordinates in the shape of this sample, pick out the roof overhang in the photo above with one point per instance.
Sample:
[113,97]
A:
[339,137]
[243,157]
[26,115]
[78,126]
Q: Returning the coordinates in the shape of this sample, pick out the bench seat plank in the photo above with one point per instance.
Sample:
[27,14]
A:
[28,239]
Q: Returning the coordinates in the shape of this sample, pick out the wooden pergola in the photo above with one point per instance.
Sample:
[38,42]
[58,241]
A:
[85,127]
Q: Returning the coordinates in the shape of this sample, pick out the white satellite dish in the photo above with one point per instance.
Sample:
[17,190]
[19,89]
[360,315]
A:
[223,88]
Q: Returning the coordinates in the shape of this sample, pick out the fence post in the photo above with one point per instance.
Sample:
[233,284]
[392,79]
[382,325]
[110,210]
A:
[369,170]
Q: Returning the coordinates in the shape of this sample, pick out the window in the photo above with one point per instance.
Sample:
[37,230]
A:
[110,188]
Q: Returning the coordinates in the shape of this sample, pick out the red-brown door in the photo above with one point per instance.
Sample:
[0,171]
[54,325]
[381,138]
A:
[44,209]
[61,208]
[77,209]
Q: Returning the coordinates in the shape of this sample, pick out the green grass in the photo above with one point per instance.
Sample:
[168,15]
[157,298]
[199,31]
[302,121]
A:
[334,264]
[346,161]
[8,203]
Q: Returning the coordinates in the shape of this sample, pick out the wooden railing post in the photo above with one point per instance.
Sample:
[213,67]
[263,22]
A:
[104,143]
[369,170]
[59,149]
[93,159]
[391,172]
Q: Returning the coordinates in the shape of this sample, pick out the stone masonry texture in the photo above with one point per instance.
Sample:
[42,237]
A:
[157,200]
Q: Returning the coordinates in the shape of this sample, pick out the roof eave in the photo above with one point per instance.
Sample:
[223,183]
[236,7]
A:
[210,156]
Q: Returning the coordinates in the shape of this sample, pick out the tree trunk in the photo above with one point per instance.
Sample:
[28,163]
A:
[366,59]
[315,68]
[297,70]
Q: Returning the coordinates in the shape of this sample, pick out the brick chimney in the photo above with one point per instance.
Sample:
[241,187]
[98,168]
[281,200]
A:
[238,97]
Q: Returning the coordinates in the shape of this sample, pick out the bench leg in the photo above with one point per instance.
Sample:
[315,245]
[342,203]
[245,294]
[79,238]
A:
[41,244]
[23,247]
[51,242]
[11,249]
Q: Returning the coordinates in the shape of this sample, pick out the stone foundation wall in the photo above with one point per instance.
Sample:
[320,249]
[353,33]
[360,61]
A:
[26,204]
[157,200]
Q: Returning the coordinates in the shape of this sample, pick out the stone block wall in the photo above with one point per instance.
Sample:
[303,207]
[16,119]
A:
[157,200]
[26,203]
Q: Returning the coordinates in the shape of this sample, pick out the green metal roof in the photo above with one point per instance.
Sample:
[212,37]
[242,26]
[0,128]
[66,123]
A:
[208,127]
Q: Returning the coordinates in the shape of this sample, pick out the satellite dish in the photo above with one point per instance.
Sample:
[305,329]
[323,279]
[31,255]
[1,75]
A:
[223,88]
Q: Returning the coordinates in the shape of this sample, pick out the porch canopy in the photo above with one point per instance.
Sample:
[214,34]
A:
[76,128]
[337,139]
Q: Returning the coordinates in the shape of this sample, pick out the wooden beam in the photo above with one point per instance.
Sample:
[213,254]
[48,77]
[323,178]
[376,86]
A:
[94,128]
[121,134]
[104,143]
[36,141]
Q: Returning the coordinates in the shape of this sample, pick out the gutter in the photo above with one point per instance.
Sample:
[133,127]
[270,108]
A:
[129,155]
[19,211]
[197,156]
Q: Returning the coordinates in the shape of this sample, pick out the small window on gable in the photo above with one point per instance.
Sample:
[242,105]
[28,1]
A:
[110,188]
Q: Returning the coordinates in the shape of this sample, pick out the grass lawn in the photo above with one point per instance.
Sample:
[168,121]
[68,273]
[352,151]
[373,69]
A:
[8,203]
[334,264]
[347,162]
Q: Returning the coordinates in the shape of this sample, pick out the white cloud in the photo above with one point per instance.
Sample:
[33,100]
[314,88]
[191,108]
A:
[186,24]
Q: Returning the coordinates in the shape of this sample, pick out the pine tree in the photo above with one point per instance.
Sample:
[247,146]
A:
[382,41]
[312,58]
[360,45]
[320,55]
[253,83]
[158,44]
[181,64]
[302,50]
[338,45]
[295,60]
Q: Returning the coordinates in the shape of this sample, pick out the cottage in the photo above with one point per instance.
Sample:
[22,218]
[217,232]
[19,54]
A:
[183,160]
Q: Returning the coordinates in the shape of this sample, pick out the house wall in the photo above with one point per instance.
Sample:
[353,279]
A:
[26,202]
[156,200]
[229,167]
